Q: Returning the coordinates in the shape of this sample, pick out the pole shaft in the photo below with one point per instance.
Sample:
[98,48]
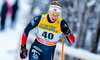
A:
[62,48]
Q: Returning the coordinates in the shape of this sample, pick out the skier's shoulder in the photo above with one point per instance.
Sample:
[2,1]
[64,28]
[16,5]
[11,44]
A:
[37,17]
[63,22]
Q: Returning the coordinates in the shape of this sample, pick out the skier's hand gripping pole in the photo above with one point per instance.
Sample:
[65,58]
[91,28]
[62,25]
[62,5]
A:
[23,52]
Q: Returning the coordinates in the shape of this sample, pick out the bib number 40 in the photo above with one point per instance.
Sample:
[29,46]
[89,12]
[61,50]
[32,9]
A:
[47,35]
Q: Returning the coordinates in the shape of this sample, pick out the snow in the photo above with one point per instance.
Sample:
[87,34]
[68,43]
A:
[91,3]
[10,38]
[46,2]
[8,44]
[37,11]
[88,39]
[79,53]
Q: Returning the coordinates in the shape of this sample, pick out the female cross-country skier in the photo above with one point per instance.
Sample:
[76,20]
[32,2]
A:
[50,28]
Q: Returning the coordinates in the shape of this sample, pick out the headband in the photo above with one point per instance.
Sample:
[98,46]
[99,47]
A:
[55,8]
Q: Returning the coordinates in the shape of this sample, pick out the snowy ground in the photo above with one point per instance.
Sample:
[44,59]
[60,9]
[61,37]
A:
[10,39]
[8,44]
[78,53]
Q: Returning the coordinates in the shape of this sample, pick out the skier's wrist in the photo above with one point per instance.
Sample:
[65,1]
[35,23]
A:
[23,46]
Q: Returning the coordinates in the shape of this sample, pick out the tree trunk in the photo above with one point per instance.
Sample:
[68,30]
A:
[74,14]
[95,39]
[81,18]
[85,27]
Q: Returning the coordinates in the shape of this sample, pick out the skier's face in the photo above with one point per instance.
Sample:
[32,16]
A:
[53,16]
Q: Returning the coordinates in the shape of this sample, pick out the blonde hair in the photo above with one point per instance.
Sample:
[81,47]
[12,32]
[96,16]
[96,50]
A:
[55,3]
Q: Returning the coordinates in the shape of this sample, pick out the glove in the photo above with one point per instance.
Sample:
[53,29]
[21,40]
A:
[71,38]
[23,52]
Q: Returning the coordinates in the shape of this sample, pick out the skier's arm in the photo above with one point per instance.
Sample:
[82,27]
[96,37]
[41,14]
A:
[30,26]
[65,29]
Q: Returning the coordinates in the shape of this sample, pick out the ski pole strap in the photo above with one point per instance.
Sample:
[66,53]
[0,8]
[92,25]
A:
[62,48]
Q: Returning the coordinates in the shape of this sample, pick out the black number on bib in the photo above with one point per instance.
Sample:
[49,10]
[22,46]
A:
[44,34]
[50,35]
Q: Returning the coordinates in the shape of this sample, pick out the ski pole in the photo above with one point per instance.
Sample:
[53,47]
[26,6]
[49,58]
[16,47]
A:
[62,48]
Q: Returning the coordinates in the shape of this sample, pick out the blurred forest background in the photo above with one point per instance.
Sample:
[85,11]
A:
[82,16]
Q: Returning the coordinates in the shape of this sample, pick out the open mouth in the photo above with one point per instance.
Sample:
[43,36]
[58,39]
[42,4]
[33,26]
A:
[53,19]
